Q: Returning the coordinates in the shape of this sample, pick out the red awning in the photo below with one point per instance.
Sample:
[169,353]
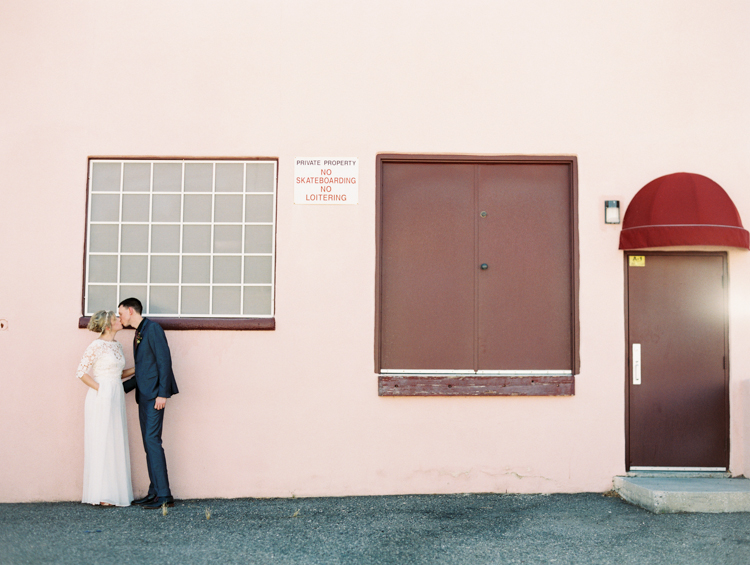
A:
[682,209]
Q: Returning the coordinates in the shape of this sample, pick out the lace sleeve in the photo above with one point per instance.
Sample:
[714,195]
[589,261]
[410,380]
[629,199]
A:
[89,358]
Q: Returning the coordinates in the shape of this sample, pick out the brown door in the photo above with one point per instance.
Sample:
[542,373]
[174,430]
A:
[524,295]
[678,412]
[428,275]
[476,267]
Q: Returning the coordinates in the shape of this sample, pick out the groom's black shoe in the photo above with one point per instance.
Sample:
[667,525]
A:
[159,502]
[145,500]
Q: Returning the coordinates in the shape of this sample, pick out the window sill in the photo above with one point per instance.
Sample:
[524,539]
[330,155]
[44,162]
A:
[226,324]
[410,385]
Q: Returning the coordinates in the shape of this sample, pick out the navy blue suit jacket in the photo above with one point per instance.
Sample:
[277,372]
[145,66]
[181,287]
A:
[153,364]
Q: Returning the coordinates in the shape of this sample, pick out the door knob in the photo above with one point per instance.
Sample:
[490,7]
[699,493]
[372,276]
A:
[485,266]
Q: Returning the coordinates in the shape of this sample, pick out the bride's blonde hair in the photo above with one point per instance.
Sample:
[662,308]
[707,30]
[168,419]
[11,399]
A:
[101,321]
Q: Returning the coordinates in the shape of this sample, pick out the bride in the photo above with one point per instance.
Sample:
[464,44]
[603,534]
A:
[106,459]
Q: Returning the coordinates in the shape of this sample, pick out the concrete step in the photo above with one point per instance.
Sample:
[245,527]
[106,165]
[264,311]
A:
[669,494]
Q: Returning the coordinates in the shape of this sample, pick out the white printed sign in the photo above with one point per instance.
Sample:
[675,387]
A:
[325,180]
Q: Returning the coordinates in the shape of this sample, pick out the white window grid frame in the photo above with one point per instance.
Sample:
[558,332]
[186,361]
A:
[211,254]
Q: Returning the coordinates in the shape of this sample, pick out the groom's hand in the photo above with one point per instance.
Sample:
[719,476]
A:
[160,403]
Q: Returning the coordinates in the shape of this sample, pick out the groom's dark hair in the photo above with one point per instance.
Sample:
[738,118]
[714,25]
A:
[133,303]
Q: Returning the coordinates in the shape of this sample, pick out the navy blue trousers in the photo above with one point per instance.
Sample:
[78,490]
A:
[152,421]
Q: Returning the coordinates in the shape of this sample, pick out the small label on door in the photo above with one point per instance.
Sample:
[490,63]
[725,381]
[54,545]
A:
[637,260]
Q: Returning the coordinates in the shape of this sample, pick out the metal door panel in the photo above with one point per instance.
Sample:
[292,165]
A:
[524,295]
[427,281]
[678,414]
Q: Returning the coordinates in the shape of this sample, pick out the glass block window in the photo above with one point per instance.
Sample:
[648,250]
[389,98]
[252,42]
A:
[188,238]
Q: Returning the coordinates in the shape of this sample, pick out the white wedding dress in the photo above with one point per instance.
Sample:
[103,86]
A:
[106,458]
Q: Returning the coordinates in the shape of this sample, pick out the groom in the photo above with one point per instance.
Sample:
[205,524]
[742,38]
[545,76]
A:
[153,383]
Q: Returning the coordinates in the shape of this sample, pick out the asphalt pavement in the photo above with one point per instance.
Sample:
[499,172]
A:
[435,529]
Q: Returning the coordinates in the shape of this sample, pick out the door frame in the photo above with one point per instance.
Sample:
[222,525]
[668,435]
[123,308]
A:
[571,160]
[438,384]
[628,352]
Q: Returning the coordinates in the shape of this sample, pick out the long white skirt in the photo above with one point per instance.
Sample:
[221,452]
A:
[106,458]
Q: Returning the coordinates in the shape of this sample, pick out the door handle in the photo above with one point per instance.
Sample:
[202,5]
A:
[636,363]
[484,266]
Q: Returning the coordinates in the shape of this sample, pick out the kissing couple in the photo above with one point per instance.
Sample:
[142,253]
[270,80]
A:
[106,468]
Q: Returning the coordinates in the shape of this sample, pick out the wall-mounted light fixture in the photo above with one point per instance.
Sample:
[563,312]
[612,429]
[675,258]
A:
[611,211]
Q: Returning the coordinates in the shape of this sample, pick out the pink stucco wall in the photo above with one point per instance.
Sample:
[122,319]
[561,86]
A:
[635,89]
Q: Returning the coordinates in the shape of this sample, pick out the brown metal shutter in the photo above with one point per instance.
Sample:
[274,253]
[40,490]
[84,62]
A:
[439,309]
[428,266]
[524,297]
